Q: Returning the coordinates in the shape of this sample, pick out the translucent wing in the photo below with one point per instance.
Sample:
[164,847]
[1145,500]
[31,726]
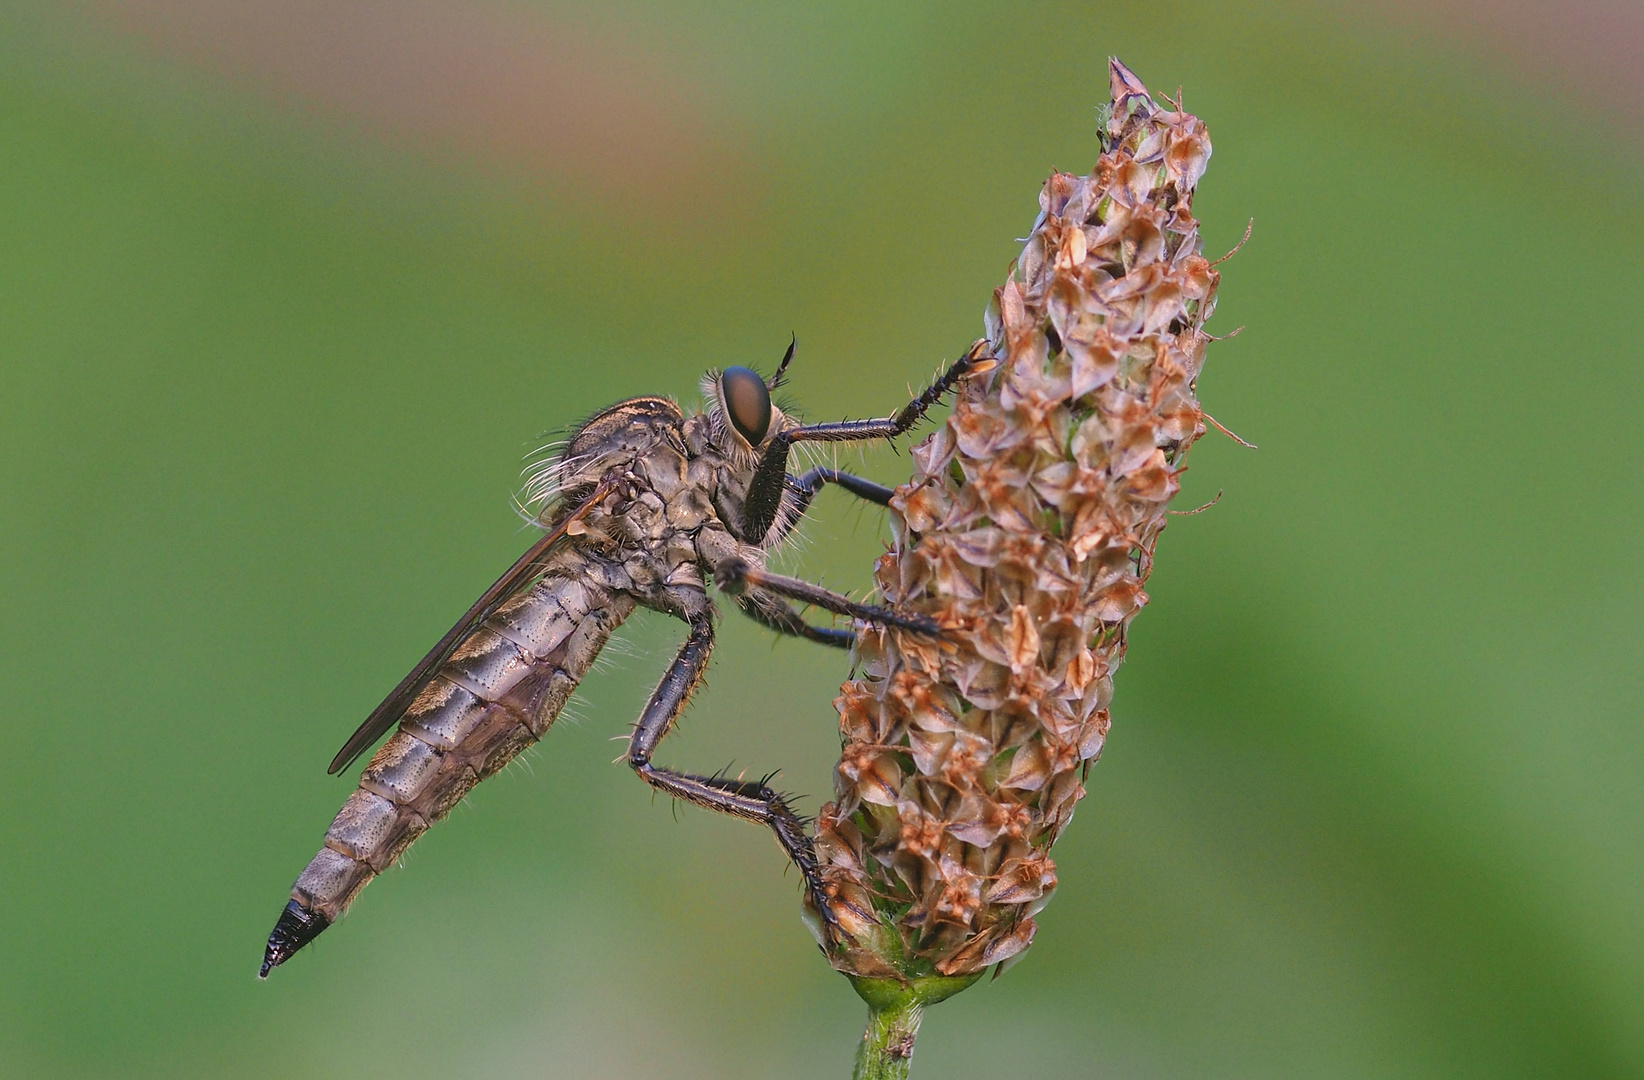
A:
[518,576]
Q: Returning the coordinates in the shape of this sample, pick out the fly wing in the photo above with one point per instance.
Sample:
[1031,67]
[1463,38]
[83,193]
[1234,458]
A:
[520,575]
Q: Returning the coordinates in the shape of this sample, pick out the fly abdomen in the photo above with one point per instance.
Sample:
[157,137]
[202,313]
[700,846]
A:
[499,692]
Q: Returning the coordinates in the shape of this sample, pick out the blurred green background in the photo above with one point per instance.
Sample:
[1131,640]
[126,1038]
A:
[287,288]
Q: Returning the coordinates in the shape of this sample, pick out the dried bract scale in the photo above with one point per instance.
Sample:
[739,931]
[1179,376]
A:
[1027,532]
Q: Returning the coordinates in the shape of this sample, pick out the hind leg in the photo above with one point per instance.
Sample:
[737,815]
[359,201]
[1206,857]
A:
[747,799]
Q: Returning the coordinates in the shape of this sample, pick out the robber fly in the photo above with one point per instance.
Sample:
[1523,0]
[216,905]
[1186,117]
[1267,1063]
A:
[649,506]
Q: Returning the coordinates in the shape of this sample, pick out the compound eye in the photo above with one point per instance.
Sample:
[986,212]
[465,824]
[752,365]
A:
[747,403]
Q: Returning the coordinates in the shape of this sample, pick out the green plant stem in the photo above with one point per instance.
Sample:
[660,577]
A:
[886,1052]
[894,1011]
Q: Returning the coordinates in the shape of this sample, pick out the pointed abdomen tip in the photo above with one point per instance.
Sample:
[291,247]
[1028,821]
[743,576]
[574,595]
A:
[296,927]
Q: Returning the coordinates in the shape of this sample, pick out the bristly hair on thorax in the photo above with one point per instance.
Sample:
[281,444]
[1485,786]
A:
[546,465]
[541,490]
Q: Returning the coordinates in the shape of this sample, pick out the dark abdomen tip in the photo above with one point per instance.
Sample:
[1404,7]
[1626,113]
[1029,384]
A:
[296,928]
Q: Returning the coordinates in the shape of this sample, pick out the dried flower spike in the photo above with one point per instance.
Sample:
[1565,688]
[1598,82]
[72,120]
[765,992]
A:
[1027,531]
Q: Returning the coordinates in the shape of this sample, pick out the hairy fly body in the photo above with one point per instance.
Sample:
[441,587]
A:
[650,506]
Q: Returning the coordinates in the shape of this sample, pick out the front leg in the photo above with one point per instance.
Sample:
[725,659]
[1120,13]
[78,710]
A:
[805,487]
[772,611]
[751,800]
[974,362]
[802,489]
[764,499]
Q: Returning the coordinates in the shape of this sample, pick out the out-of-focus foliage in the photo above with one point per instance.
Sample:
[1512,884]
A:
[1370,805]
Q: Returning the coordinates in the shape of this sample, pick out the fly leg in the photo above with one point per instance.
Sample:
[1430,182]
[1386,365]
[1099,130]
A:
[736,577]
[771,611]
[974,362]
[747,799]
[759,510]
[802,489]
[774,613]
[806,486]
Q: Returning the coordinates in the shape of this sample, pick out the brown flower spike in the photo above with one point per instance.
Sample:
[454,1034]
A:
[1027,531]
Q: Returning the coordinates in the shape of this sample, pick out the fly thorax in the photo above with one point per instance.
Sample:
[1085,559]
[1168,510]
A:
[728,498]
[727,477]
[616,439]
[716,545]
[642,520]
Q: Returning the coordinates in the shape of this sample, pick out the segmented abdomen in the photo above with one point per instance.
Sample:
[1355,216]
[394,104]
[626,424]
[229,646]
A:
[499,693]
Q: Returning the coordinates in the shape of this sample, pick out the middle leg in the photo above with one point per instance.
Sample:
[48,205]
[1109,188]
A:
[774,613]
[735,576]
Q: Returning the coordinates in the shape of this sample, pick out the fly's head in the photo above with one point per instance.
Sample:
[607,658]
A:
[750,435]
[742,419]
[739,436]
